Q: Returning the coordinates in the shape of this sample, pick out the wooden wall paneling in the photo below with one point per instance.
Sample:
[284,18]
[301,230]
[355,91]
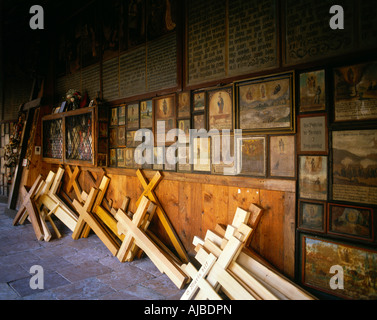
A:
[241,198]
[215,205]
[190,214]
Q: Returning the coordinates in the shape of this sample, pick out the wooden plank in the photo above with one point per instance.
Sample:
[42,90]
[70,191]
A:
[162,262]
[73,183]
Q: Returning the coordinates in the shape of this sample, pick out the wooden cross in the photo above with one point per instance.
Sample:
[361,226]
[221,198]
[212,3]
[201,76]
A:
[73,183]
[157,255]
[54,204]
[149,193]
[87,217]
[28,207]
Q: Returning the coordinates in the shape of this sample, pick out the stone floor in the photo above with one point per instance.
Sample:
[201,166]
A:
[73,269]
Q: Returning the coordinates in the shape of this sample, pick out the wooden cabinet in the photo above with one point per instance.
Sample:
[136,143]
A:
[72,137]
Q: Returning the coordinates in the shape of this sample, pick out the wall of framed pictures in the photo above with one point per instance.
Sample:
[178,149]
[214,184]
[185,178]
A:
[306,105]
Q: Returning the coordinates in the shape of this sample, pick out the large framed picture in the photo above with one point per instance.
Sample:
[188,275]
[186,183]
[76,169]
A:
[355,95]
[354,166]
[350,221]
[313,91]
[266,104]
[220,109]
[251,156]
[312,216]
[313,177]
[318,256]
[282,156]
[312,134]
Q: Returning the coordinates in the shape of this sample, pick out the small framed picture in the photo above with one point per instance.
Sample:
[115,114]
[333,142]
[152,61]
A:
[122,136]
[312,216]
[312,134]
[146,114]
[183,164]
[199,101]
[220,109]
[201,154]
[282,156]
[133,116]
[113,157]
[184,103]
[313,177]
[114,117]
[102,160]
[251,156]
[122,115]
[350,221]
[158,158]
[312,91]
[121,158]
[199,121]
[130,163]
[113,137]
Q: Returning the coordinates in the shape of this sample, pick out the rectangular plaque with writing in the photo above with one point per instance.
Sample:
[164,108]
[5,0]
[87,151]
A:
[162,63]
[252,36]
[132,72]
[308,34]
[206,29]
[110,78]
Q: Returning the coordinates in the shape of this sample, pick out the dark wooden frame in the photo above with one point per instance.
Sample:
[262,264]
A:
[347,235]
[299,134]
[300,215]
[232,111]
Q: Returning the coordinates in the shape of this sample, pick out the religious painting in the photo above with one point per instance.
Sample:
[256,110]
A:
[170,159]
[114,117]
[122,136]
[113,137]
[282,156]
[113,157]
[313,177]
[183,164]
[251,156]
[312,216]
[103,129]
[312,134]
[132,23]
[201,152]
[133,116]
[312,91]
[350,221]
[199,121]
[356,92]
[354,166]
[165,111]
[223,156]
[318,258]
[184,104]
[110,29]
[146,114]
[129,161]
[199,101]
[122,115]
[266,104]
[220,109]
[121,158]
[130,139]
[184,126]
[158,158]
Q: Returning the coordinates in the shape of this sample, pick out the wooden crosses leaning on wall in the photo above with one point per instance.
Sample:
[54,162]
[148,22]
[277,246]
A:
[229,270]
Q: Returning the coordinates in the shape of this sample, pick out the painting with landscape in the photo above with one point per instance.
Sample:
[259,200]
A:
[359,267]
[354,170]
